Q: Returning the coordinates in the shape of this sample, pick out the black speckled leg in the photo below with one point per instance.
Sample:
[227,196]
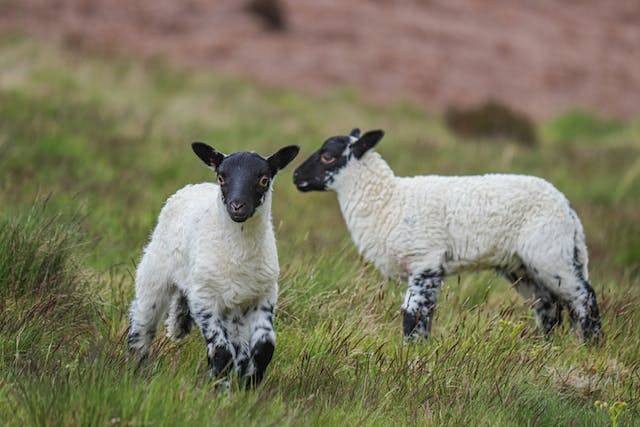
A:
[420,303]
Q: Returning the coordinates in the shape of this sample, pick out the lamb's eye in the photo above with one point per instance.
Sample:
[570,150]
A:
[327,158]
[264,181]
[221,179]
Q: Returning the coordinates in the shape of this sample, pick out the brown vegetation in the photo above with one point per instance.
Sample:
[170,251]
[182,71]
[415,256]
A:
[541,58]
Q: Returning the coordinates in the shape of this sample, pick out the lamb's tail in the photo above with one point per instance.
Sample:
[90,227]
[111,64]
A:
[580,253]
[179,320]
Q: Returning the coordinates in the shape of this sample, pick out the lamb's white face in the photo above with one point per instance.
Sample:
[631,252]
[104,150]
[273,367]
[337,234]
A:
[319,171]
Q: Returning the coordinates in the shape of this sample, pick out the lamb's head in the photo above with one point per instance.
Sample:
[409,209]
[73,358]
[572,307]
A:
[245,178]
[318,172]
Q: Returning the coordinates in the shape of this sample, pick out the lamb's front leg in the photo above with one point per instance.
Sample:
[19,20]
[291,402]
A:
[420,303]
[263,340]
[220,354]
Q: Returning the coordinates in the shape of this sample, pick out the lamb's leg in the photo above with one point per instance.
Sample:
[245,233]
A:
[146,311]
[179,320]
[420,303]
[262,342]
[220,353]
[240,338]
[548,311]
[546,307]
[578,295]
[584,309]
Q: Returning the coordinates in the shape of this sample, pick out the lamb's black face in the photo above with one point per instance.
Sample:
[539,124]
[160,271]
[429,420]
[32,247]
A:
[320,169]
[244,178]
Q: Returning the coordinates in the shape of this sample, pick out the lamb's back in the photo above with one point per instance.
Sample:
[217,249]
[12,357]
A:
[481,218]
[482,196]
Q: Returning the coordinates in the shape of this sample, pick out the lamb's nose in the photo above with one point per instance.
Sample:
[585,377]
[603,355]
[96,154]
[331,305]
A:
[236,206]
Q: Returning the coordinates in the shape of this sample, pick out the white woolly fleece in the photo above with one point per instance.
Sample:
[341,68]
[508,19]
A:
[200,250]
[408,225]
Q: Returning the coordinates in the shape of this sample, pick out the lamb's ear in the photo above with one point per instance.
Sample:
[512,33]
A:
[208,154]
[355,133]
[366,142]
[282,158]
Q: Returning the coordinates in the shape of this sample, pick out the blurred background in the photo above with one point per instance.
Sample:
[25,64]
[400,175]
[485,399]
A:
[99,100]
[542,57]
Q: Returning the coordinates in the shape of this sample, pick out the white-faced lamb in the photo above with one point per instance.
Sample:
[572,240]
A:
[423,228]
[212,260]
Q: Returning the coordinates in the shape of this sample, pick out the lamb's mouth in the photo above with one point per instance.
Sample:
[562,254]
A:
[239,217]
[307,186]
[303,185]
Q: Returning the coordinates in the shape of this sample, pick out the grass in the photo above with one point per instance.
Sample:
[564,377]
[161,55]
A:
[91,147]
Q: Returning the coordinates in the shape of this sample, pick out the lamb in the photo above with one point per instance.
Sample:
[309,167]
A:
[212,260]
[424,228]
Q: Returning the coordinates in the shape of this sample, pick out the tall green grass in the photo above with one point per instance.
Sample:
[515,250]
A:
[45,311]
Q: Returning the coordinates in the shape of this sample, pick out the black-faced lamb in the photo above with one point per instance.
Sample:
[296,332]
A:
[421,229]
[212,260]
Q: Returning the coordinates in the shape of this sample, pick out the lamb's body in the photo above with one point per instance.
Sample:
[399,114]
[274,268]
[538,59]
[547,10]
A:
[200,264]
[470,222]
[197,247]
[424,228]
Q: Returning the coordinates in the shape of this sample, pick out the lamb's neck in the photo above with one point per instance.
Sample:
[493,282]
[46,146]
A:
[366,190]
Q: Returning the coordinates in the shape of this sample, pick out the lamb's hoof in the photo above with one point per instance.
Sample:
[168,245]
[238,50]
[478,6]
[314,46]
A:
[137,358]
[222,386]
[250,382]
[592,338]
[409,323]
[413,338]
[414,327]
[176,335]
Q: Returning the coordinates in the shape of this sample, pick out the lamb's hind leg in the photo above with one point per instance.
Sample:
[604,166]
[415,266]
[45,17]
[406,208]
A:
[420,303]
[566,277]
[153,291]
[584,309]
[546,307]
[179,320]
[578,295]
[147,309]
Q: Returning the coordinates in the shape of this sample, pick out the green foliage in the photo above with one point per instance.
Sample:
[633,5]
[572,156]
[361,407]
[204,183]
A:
[33,256]
[106,142]
[579,125]
[43,309]
[613,410]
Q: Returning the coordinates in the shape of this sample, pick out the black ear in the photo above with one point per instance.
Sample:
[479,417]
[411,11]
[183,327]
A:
[366,142]
[282,158]
[355,133]
[208,154]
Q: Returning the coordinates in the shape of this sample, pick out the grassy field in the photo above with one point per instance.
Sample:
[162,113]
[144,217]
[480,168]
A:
[90,149]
